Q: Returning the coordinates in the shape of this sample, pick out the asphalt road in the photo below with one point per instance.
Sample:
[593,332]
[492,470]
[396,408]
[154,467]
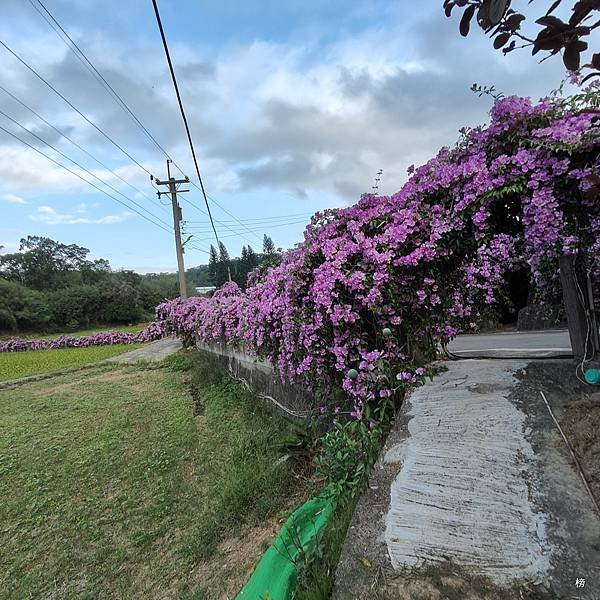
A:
[513,344]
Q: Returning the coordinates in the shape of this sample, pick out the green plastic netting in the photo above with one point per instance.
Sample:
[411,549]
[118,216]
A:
[276,574]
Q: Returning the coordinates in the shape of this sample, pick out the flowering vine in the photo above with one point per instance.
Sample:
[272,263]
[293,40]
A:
[356,309]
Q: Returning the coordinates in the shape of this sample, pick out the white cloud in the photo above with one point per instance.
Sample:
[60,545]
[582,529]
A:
[13,199]
[84,207]
[306,115]
[48,215]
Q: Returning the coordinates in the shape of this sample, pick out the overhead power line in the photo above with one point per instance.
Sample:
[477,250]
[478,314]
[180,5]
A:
[185,122]
[256,226]
[74,162]
[76,144]
[231,215]
[252,220]
[60,31]
[65,99]
[87,63]
[141,214]
[81,177]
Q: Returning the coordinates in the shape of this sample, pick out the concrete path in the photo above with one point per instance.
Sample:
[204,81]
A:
[152,352]
[464,486]
[474,475]
[513,344]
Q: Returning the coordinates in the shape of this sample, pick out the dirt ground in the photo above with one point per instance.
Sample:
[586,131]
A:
[581,424]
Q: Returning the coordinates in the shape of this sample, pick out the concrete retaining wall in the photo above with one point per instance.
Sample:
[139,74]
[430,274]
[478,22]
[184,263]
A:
[261,377]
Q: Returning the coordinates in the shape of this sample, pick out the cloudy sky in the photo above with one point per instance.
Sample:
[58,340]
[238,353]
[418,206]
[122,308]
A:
[294,106]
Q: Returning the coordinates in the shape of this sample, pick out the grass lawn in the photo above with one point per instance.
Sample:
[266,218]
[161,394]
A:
[131,482]
[14,365]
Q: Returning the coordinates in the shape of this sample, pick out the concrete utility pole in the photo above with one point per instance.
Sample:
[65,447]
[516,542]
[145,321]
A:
[172,183]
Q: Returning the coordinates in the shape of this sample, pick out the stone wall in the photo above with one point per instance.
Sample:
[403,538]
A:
[261,377]
[536,317]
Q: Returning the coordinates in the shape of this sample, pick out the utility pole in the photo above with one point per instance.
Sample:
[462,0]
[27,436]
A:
[172,183]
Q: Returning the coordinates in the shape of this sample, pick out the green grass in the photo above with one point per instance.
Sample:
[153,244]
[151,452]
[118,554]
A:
[14,365]
[81,332]
[123,482]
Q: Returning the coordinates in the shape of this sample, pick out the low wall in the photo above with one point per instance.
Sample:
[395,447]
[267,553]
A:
[261,377]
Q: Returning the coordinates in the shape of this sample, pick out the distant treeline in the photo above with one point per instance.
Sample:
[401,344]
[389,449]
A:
[221,267]
[49,286]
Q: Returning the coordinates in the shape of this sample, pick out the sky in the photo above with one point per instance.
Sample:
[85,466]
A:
[294,106]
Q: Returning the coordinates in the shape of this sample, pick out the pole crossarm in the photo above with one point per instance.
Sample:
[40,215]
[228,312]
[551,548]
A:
[172,180]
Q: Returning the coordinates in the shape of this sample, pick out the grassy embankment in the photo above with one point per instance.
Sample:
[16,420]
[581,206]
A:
[123,483]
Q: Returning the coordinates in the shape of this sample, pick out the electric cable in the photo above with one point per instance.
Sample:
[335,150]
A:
[87,63]
[185,122]
[81,167]
[82,178]
[65,99]
[76,144]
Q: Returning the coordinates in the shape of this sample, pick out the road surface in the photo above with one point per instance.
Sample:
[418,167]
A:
[513,344]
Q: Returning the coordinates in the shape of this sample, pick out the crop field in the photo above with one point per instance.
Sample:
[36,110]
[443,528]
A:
[14,365]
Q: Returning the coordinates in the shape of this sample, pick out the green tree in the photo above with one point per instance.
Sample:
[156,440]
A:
[252,258]
[268,246]
[223,266]
[21,308]
[213,264]
[44,264]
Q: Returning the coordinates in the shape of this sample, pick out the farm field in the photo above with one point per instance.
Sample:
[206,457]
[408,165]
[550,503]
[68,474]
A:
[130,482]
[14,365]
[81,332]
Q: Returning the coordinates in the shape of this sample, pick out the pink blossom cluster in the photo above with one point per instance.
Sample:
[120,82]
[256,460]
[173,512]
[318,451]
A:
[355,308]
[154,331]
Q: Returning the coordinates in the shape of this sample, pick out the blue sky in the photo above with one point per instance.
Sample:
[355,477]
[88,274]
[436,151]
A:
[294,106]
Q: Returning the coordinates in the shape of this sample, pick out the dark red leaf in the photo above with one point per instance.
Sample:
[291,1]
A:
[596,60]
[501,40]
[580,11]
[461,2]
[465,22]
[497,10]
[553,6]
[482,16]
[510,47]
[449,8]
[551,21]
[514,22]
[571,57]
[579,31]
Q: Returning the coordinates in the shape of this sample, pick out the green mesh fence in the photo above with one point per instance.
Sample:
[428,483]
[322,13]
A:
[276,574]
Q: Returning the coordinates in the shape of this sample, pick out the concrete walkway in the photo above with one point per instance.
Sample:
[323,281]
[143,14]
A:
[513,344]
[152,352]
[474,475]
[465,471]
